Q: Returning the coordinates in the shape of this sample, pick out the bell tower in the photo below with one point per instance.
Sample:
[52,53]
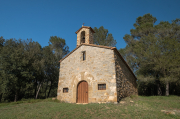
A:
[85,35]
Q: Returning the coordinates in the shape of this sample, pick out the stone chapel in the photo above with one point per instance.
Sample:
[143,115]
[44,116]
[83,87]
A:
[94,73]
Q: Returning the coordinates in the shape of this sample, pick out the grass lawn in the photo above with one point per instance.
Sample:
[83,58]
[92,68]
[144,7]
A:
[129,108]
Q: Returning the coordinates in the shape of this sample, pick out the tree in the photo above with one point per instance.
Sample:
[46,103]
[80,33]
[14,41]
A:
[51,69]
[152,50]
[2,40]
[35,64]
[58,46]
[56,50]
[102,37]
[27,70]
[21,65]
[13,70]
[169,61]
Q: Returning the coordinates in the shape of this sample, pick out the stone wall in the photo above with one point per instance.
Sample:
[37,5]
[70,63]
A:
[88,36]
[98,68]
[126,82]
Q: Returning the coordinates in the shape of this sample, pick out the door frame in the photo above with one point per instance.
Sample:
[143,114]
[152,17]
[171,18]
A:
[77,91]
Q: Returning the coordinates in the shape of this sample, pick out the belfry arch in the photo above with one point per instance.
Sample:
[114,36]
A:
[83,37]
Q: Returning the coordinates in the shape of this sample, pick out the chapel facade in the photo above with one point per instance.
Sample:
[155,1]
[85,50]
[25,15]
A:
[94,73]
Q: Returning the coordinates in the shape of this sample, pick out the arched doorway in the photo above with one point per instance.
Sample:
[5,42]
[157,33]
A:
[82,92]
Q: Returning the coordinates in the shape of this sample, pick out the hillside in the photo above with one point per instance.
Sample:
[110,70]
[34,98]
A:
[131,107]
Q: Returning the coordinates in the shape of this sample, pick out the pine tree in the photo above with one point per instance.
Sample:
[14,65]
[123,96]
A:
[153,51]
[102,37]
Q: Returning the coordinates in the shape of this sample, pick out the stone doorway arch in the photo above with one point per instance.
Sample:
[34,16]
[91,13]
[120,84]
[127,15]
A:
[82,76]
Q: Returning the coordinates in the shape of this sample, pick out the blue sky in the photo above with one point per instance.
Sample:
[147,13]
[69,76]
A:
[40,19]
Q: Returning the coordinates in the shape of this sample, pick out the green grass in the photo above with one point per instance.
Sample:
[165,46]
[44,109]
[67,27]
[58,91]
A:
[141,107]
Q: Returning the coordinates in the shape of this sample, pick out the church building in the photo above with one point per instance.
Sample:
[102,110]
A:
[94,73]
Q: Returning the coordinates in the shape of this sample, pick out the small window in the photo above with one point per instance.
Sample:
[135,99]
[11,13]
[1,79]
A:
[65,90]
[84,55]
[101,86]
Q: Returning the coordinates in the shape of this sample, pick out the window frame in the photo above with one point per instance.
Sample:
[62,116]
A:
[102,86]
[83,55]
[65,90]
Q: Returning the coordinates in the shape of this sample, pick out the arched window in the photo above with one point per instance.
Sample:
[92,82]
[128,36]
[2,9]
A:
[83,37]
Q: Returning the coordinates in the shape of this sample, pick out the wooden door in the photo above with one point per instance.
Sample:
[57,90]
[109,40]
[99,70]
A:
[82,92]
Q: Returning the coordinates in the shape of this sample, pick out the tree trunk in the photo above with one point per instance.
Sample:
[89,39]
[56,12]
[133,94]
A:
[35,89]
[159,92]
[46,89]
[50,89]
[16,97]
[1,97]
[167,88]
[38,90]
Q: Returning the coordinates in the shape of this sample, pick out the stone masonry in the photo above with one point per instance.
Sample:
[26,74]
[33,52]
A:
[88,35]
[103,65]
[97,68]
[125,80]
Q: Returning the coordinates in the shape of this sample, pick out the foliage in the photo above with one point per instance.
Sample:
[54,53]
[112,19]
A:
[2,40]
[58,46]
[102,37]
[27,70]
[153,51]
